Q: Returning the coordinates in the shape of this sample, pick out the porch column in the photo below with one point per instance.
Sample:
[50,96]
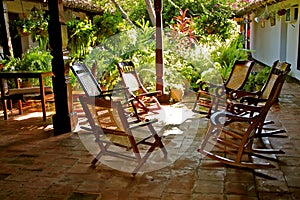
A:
[61,119]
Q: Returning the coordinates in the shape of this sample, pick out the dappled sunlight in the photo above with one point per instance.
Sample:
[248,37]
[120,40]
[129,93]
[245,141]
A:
[176,124]
[28,115]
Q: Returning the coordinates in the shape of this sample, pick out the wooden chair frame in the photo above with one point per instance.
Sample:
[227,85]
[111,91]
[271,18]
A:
[136,90]
[262,96]
[118,128]
[223,139]
[91,87]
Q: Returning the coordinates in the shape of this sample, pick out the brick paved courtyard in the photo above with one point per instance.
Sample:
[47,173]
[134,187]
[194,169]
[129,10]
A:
[35,164]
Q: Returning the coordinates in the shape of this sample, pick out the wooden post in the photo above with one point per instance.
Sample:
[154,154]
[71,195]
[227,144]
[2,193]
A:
[159,47]
[61,119]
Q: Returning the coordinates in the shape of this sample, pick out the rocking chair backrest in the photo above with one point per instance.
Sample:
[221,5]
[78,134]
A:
[86,80]
[239,74]
[274,93]
[130,77]
[278,68]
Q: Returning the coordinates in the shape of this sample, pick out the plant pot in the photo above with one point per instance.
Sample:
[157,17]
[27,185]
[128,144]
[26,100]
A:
[164,99]
[176,94]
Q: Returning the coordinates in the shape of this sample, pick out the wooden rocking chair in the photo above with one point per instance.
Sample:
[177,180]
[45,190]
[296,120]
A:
[209,95]
[262,96]
[91,87]
[113,129]
[136,89]
[230,136]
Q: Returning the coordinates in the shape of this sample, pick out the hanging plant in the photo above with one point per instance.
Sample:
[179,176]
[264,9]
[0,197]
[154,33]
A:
[82,37]
[266,14]
[36,25]
[281,12]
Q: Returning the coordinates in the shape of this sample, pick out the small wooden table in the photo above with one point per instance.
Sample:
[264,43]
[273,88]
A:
[24,74]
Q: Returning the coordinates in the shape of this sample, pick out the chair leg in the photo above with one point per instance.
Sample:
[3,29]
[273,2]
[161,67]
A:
[221,148]
[269,132]
[158,142]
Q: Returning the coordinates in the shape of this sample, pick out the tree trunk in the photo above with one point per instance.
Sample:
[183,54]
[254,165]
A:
[151,11]
[124,14]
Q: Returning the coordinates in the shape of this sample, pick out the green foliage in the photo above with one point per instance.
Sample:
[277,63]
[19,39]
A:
[138,12]
[35,59]
[257,79]
[113,49]
[81,37]
[107,25]
[250,84]
[213,20]
[227,53]
[209,57]
[261,76]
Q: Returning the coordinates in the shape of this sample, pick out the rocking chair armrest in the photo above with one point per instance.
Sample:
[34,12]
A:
[237,94]
[225,117]
[252,100]
[238,108]
[205,86]
[149,94]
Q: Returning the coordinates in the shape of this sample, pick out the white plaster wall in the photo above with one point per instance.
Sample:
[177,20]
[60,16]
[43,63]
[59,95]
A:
[292,47]
[279,42]
[265,42]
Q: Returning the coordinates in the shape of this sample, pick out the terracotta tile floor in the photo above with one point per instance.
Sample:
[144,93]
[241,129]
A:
[35,164]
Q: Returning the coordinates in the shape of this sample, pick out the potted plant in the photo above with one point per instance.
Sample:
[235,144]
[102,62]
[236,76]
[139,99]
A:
[176,92]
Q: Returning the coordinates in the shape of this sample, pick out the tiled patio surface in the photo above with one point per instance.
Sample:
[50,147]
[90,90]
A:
[35,164]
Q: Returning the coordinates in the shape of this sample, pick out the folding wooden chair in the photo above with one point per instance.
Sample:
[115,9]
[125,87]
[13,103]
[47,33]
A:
[91,88]
[262,96]
[230,136]
[131,80]
[88,82]
[209,95]
[113,129]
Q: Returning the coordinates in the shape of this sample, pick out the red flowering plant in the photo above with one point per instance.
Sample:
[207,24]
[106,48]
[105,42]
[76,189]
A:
[183,26]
